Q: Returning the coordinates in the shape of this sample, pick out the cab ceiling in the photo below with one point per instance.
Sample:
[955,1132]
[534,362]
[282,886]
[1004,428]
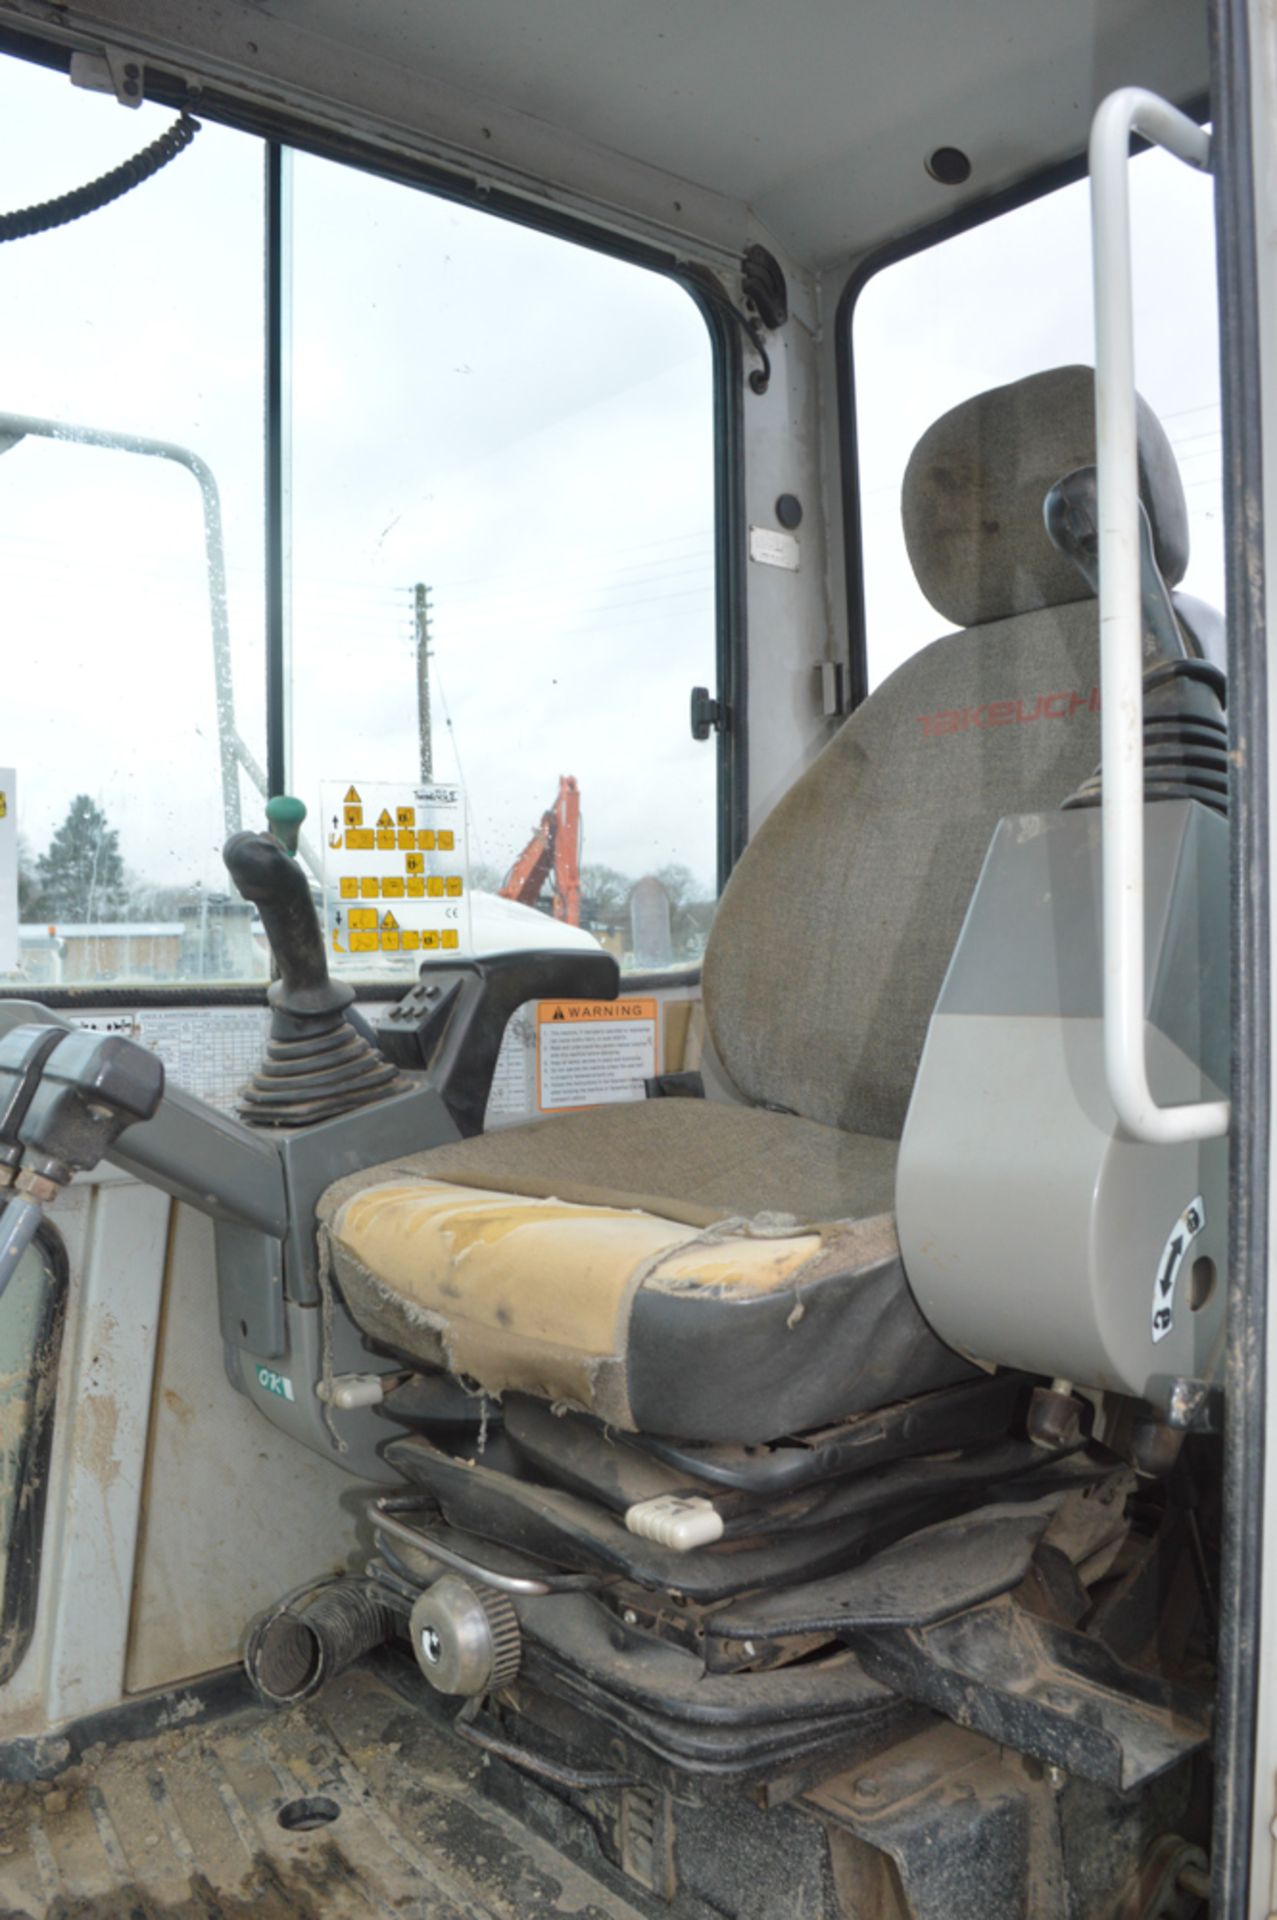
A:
[816,115]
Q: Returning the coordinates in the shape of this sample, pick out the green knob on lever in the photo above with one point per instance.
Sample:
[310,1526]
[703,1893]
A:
[284,816]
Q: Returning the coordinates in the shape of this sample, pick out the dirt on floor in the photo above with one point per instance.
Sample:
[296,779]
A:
[350,1806]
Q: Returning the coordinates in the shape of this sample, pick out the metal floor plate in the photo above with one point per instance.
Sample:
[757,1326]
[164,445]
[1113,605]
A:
[195,1825]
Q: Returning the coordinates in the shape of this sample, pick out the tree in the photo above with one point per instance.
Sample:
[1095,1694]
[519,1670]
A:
[28,883]
[691,910]
[605,895]
[81,877]
[484,877]
[679,883]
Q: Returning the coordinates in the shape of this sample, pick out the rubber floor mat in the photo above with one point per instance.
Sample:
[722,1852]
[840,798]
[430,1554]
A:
[350,1806]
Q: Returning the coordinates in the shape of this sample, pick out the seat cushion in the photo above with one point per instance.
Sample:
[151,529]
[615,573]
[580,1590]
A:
[633,1262]
[691,1160]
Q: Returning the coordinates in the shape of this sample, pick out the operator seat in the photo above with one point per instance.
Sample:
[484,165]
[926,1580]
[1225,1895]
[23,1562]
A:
[729,1272]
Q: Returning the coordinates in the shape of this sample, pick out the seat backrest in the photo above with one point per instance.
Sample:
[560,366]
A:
[833,935]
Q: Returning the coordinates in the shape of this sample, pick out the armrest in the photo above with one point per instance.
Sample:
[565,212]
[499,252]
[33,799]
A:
[453,1021]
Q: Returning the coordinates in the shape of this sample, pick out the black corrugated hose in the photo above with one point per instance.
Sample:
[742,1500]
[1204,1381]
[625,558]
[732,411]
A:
[100,193]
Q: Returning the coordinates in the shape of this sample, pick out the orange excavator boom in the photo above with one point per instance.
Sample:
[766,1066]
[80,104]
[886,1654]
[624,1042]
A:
[567,852]
[554,848]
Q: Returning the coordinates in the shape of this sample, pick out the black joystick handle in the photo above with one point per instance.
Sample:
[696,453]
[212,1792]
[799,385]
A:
[1185,735]
[277,886]
[317,1066]
[1071,512]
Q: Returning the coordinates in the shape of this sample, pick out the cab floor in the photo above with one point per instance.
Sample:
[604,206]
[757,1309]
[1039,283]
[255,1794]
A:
[200,1825]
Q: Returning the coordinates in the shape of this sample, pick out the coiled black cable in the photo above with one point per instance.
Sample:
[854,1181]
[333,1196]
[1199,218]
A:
[27,221]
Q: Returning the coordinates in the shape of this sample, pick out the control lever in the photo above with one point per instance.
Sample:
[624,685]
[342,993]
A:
[1072,515]
[1185,735]
[317,1065]
[65,1098]
[277,886]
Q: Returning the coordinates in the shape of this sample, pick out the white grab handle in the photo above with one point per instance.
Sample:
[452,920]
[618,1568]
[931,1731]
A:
[1131,110]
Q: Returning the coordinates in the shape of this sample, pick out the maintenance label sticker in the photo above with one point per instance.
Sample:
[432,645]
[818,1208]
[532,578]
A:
[210,1051]
[512,1098]
[396,872]
[1174,1254]
[591,1053]
[769,547]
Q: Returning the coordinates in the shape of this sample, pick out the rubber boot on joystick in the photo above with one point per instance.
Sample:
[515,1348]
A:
[317,1066]
[1185,733]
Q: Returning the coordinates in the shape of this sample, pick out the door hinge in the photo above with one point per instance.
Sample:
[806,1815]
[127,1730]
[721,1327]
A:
[833,688]
[114,70]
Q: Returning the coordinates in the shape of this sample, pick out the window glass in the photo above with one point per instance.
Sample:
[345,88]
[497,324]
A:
[1012,297]
[498,504]
[140,324]
[502,455]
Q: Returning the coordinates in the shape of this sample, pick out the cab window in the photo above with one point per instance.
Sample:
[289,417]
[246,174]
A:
[491,498]
[1010,297]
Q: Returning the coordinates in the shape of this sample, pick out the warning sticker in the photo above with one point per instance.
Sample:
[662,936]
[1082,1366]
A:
[512,1098]
[387,841]
[591,1053]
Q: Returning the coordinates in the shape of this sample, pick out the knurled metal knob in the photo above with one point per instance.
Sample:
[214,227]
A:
[466,1638]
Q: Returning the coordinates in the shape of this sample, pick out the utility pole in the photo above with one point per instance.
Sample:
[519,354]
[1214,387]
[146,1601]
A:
[421,610]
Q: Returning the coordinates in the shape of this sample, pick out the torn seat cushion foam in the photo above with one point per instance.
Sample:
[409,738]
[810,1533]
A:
[700,1315]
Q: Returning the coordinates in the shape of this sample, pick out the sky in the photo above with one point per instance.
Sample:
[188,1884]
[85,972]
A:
[520,423]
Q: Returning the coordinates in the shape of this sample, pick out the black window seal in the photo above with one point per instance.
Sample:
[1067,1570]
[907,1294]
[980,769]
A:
[91,997]
[1245,1412]
[24,1549]
[278,130]
[1061,173]
[277,475]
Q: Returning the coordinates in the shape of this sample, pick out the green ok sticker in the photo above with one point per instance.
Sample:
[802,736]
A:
[277,1383]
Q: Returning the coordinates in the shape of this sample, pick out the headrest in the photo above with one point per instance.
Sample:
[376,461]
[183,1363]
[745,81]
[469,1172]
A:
[974,487]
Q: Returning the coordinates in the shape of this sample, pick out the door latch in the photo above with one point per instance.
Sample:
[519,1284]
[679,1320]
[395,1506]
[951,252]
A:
[708,715]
